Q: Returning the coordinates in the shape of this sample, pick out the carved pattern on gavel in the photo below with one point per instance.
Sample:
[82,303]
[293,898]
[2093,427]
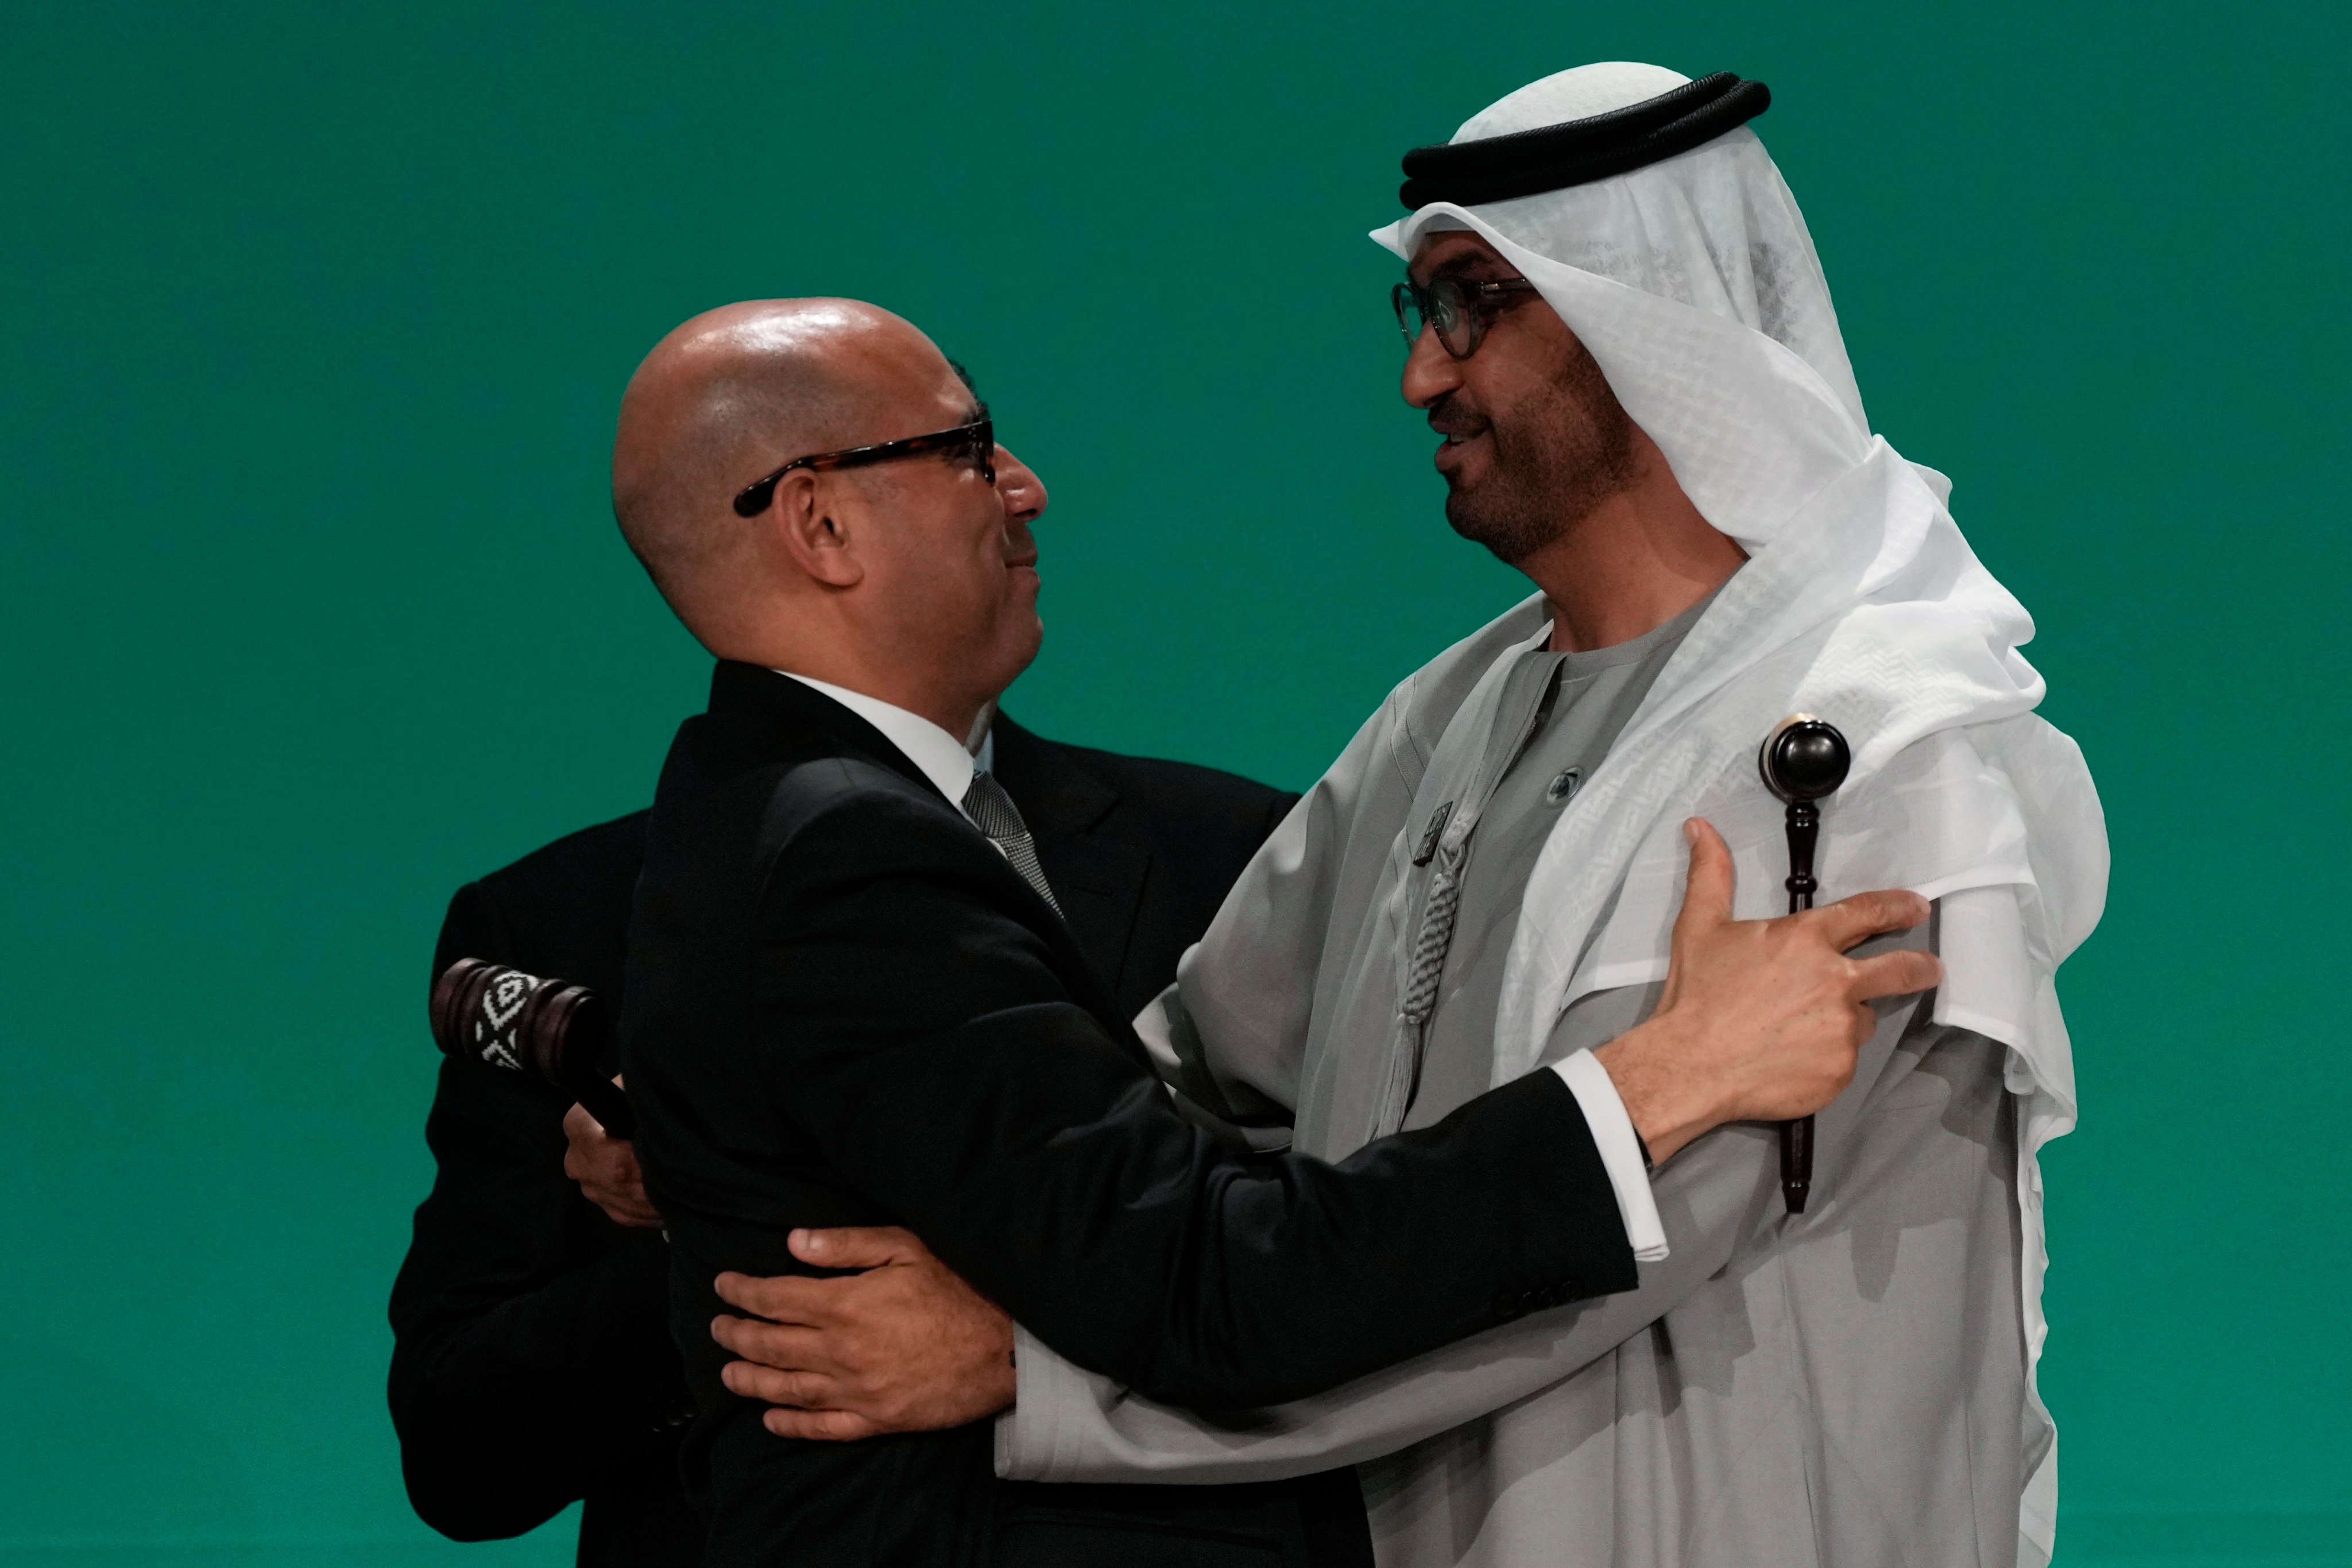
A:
[556,1032]
[1803,761]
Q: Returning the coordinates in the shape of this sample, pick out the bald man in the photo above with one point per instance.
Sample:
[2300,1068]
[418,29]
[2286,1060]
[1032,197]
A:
[852,1002]
[533,1365]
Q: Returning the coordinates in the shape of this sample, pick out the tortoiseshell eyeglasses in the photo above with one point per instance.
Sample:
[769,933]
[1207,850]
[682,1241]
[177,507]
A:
[975,442]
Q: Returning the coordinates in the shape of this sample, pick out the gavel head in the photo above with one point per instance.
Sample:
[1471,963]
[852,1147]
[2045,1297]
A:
[1803,760]
[475,1007]
[502,1016]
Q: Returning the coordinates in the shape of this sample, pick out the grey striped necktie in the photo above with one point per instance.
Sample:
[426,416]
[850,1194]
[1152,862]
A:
[994,812]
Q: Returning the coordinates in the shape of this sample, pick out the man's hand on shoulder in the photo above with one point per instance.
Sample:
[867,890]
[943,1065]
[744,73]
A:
[607,1169]
[905,1345]
[1760,1019]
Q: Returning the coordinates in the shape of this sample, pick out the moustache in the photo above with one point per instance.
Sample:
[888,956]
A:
[1451,419]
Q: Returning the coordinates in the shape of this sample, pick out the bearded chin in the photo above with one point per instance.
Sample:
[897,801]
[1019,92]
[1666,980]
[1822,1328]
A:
[1508,527]
[1540,487]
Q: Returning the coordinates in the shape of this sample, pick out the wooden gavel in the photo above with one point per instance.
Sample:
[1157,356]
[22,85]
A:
[1803,761]
[558,1033]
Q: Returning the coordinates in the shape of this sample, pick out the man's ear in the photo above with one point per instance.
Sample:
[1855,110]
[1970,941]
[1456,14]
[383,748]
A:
[812,531]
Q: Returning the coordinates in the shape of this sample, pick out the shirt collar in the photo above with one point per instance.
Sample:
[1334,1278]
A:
[940,755]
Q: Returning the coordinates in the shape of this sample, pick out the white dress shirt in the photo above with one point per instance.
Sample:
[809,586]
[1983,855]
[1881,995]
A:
[1621,1151]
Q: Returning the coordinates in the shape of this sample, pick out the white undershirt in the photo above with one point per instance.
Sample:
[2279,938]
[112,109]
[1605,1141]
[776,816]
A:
[942,760]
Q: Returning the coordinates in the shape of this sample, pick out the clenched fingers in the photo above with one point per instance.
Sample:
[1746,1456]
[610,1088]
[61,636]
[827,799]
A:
[1852,921]
[784,1298]
[1896,974]
[820,1426]
[622,1212]
[857,1246]
[621,1204]
[607,1169]
[787,1345]
[801,1390]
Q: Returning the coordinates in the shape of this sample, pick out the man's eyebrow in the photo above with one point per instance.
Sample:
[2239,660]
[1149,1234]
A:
[1465,262]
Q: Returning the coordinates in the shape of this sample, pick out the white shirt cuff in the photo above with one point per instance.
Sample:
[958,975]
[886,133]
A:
[1621,1152]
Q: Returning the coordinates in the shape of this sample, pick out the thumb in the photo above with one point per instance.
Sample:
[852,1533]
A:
[1707,893]
[856,1246]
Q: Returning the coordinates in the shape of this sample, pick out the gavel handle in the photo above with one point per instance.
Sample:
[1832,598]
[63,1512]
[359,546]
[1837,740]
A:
[1797,1163]
[603,1099]
[1797,1136]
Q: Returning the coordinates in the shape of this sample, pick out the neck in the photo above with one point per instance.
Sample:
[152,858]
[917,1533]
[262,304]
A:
[1634,563]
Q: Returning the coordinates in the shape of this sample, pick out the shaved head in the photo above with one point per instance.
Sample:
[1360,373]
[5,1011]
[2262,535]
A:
[912,578]
[729,396]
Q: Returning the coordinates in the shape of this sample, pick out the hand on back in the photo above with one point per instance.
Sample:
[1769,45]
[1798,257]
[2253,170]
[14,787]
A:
[904,1345]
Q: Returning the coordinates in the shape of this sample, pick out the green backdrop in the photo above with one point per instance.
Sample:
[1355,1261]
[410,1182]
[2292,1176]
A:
[314,321]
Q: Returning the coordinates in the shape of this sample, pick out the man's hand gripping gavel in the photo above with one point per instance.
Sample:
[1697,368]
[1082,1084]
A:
[557,1033]
[605,1166]
[1759,1021]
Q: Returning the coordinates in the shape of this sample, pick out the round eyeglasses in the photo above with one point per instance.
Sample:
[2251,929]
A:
[1459,309]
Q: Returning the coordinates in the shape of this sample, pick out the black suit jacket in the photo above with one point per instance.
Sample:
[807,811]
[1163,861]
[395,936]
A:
[532,1362]
[844,1007]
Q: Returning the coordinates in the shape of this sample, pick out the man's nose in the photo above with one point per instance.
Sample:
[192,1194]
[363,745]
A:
[1430,372]
[1018,484]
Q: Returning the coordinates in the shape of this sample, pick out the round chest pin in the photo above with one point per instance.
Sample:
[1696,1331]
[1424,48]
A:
[1563,785]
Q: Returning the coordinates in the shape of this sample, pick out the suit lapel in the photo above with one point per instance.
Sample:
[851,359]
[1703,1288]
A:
[1096,867]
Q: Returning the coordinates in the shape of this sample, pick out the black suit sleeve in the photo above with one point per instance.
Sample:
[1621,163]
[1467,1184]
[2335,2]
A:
[531,1354]
[989,1110]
